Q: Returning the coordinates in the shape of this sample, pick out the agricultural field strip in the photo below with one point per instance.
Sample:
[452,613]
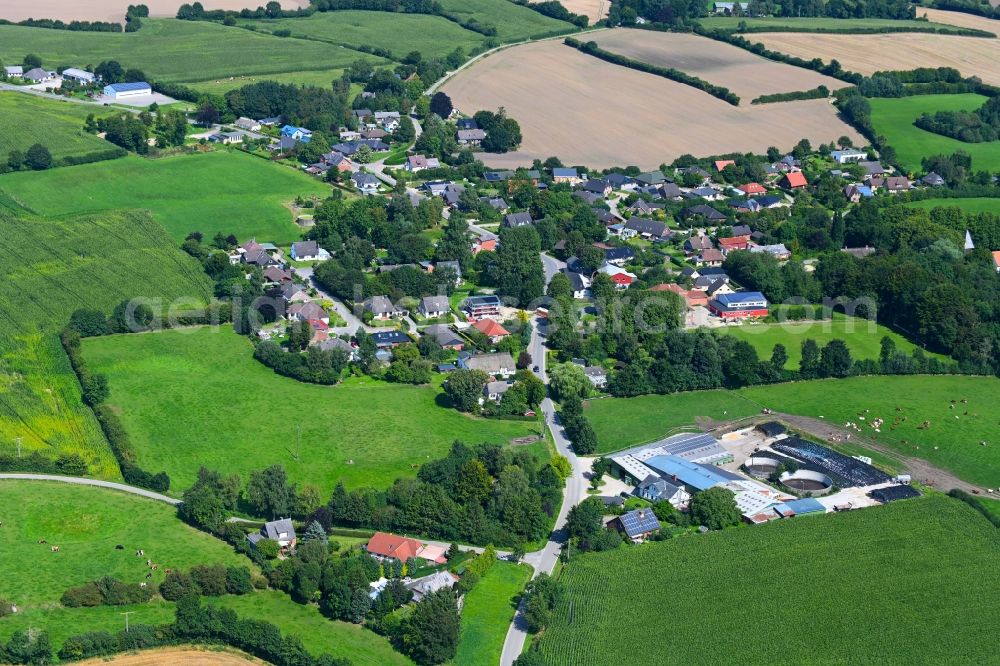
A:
[722,64]
[564,105]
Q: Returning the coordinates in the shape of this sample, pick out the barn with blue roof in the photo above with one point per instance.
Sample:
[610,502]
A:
[126,90]
[694,476]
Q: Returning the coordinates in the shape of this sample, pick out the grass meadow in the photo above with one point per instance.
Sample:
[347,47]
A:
[322,78]
[513,22]
[779,23]
[87,523]
[879,585]
[223,190]
[196,397]
[980,205]
[893,118]
[178,51]
[27,119]
[950,440]
[432,36]
[487,612]
[52,268]
[863,338]
[623,422]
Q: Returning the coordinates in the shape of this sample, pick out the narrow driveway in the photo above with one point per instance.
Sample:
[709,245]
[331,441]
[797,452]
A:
[95,482]
[551,266]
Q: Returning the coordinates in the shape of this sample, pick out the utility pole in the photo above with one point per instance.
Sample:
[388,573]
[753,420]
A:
[18,447]
[126,614]
[298,440]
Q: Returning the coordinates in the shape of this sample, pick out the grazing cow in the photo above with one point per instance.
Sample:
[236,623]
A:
[119,547]
[55,549]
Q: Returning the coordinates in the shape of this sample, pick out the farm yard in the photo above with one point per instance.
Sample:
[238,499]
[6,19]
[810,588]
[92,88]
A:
[108,10]
[178,51]
[893,118]
[866,54]
[722,64]
[863,337]
[225,191]
[432,36]
[26,120]
[53,267]
[176,388]
[566,108]
[903,573]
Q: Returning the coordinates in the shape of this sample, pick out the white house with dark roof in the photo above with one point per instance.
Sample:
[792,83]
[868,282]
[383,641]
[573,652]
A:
[282,531]
[308,251]
[382,308]
[434,306]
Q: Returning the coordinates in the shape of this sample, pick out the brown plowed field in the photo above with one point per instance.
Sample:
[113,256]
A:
[961,19]
[590,112]
[595,10]
[866,54]
[722,64]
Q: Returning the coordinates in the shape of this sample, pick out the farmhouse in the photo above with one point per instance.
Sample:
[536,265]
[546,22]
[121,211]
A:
[741,305]
[282,531]
[383,546]
[79,75]
[14,71]
[729,8]
[471,137]
[657,489]
[38,75]
[308,251]
[494,391]
[637,525]
[127,90]
[500,364]
[435,582]
[434,306]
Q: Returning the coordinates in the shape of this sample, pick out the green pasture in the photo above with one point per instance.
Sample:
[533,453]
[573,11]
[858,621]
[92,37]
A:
[877,585]
[487,612]
[223,190]
[863,338]
[322,78]
[174,50]
[893,118]
[968,205]
[513,22]
[29,119]
[805,24]
[432,36]
[197,397]
[53,267]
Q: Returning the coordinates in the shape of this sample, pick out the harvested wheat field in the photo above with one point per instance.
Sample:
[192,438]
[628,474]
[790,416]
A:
[593,113]
[595,10]
[972,56]
[111,10]
[744,73]
[961,19]
[180,656]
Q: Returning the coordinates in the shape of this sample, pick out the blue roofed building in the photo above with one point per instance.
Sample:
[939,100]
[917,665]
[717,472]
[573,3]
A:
[741,305]
[799,507]
[297,133]
[126,90]
[695,476]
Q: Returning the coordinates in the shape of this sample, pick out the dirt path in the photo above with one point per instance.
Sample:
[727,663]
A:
[179,656]
[921,470]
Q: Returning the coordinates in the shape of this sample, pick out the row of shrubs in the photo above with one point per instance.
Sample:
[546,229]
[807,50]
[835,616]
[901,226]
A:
[819,92]
[864,30]
[210,580]
[106,591]
[196,624]
[95,391]
[72,26]
[591,48]
[69,464]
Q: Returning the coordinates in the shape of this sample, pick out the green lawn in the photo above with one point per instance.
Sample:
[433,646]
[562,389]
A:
[863,337]
[51,268]
[952,438]
[318,634]
[980,205]
[780,23]
[175,50]
[28,119]
[513,22]
[487,612]
[623,422]
[87,523]
[876,586]
[322,78]
[893,118]
[224,190]
[432,36]
[196,397]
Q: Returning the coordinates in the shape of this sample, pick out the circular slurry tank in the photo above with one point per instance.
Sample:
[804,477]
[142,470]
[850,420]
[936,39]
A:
[761,467]
[805,480]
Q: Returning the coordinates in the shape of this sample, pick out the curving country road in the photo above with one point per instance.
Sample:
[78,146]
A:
[80,481]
